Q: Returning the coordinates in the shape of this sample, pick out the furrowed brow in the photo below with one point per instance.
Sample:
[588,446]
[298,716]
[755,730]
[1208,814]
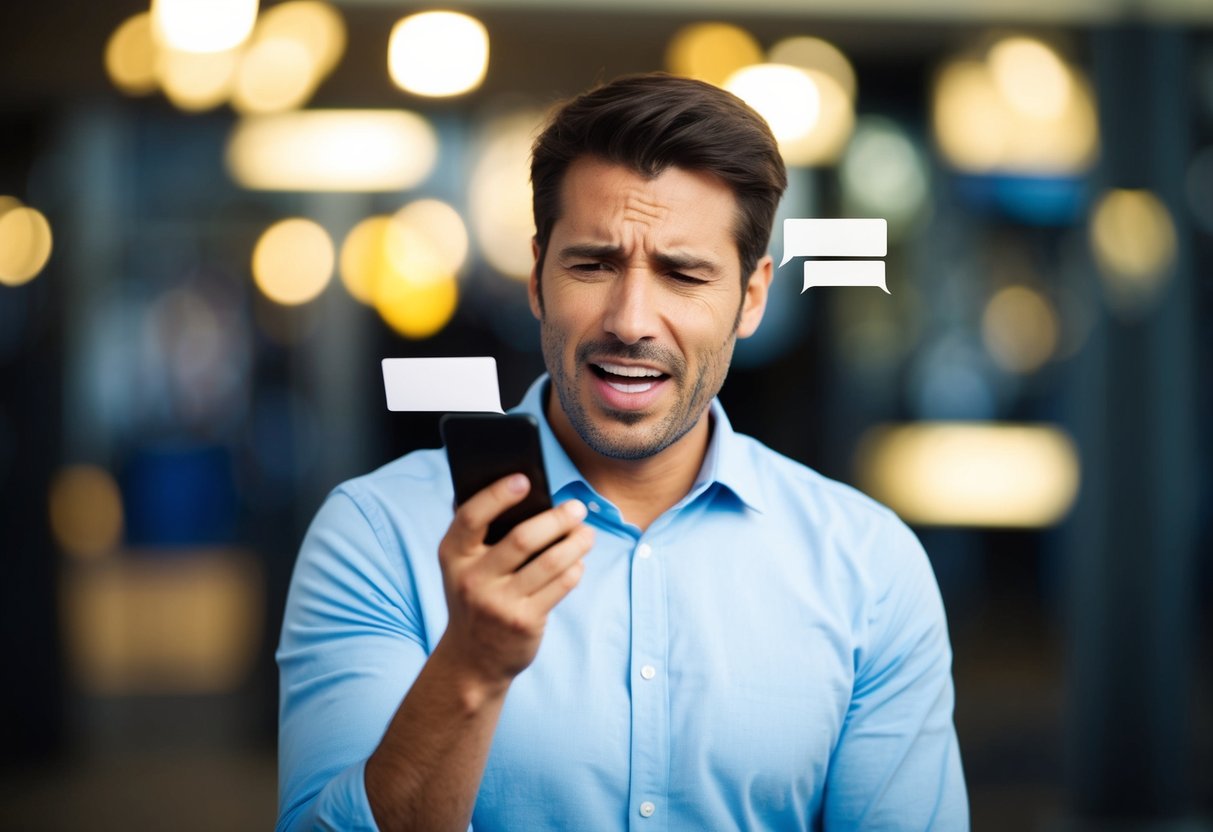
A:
[592,251]
[686,263]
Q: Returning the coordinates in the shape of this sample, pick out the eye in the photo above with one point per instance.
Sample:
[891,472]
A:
[686,279]
[587,268]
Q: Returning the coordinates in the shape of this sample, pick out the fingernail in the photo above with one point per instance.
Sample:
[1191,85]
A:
[519,483]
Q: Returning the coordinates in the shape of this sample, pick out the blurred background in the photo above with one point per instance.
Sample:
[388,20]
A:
[216,219]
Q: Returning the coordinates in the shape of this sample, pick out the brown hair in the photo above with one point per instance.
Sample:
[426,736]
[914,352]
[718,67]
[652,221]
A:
[653,121]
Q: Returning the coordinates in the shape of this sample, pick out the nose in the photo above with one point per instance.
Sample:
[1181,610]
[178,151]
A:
[631,314]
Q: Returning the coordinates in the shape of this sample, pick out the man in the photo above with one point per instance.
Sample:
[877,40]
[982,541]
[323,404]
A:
[713,636]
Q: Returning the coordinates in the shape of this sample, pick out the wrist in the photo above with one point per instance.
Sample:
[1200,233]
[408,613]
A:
[474,688]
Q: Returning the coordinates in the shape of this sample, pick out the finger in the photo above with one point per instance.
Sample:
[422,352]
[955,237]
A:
[534,535]
[555,590]
[473,517]
[554,561]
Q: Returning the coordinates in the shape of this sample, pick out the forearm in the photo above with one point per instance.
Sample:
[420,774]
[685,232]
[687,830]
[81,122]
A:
[426,771]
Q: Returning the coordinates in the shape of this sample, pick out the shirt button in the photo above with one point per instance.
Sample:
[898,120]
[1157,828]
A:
[648,671]
[644,550]
[593,506]
[647,809]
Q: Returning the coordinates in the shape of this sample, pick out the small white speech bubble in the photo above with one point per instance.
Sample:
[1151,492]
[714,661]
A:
[834,238]
[844,273]
[458,385]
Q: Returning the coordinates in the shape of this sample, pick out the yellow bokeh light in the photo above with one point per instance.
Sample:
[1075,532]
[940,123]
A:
[500,195]
[828,137]
[333,150]
[1031,77]
[293,261]
[25,244]
[438,54]
[817,54]
[711,52]
[415,309]
[979,128]
[85,511]
[971,474]
[317,26]
[203,25]
[364,257]
[275,74]
[786,96]
[1020,329]
[130,56]
[1133,238]
[431,241]
[196,81]
[8,203]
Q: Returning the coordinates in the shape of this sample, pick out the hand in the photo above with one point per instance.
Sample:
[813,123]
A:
[497,605]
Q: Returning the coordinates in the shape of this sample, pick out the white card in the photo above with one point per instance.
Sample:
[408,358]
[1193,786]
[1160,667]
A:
[458,385]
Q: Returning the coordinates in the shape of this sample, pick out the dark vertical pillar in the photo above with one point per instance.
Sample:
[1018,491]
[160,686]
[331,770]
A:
[1131,584]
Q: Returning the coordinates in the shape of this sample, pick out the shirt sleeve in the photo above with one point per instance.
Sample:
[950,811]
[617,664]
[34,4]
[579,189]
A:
[897,763]
[352,644]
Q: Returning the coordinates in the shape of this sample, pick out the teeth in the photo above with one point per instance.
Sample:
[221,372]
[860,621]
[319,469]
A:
[631,388]
[630,372]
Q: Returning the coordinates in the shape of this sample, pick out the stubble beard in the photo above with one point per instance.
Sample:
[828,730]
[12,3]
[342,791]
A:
[684,415]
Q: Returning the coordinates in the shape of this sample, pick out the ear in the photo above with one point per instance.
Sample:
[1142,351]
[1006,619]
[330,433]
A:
[754,303]
[532,286]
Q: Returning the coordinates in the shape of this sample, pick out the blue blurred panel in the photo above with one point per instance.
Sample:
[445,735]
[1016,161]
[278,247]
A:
[1032,200]
[179,495]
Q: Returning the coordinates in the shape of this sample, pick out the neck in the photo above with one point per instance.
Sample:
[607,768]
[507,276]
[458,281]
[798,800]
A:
[642,489]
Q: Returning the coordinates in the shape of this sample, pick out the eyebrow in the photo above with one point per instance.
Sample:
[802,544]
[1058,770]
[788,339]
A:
[671,260]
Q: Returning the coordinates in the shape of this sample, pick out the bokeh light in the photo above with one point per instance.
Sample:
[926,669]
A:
[196,81]
[971,474]
[293,261]
[500,194]
[1020,329]
[883,173]
[786,96]
[364,256]
[817,54]
[416,309]
[828,137]
[86,513]
[1031,77]
[711,52]
[203,25]
[438,54]
[318,26]
[275,74]
[431,241]
[332,150]
[25,244]
[1133,239]
[986,119]
[130,56]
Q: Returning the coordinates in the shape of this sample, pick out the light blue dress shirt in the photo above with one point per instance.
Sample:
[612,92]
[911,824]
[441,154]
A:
[770,654]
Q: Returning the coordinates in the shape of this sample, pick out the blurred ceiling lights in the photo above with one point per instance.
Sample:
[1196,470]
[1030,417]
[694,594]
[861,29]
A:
[1020,329]
[292,49]
[971,473]
[1020,108]
[499,194]
[1133,239]
[25,242]
[711,52]
[883,173]
[438,54]
[293,261]
[389,263]
[332,150]
[203,25]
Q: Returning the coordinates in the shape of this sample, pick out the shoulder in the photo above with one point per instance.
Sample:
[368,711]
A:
[420,475]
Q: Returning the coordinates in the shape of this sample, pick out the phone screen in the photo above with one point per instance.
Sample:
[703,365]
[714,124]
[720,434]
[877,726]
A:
[483,448]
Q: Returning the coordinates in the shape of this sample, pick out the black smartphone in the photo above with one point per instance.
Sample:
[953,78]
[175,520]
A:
[484,447]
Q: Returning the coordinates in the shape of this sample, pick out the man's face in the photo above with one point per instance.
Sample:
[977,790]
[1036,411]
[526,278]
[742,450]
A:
[642,303]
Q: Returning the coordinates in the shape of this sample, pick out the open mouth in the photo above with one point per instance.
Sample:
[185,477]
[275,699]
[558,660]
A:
[627,379]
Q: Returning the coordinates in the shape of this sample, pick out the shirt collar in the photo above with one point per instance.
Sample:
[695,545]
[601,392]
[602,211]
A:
[726,462]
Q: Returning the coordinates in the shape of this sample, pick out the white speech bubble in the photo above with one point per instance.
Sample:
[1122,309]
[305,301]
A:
[453,385]
[844,273]
[834,238]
